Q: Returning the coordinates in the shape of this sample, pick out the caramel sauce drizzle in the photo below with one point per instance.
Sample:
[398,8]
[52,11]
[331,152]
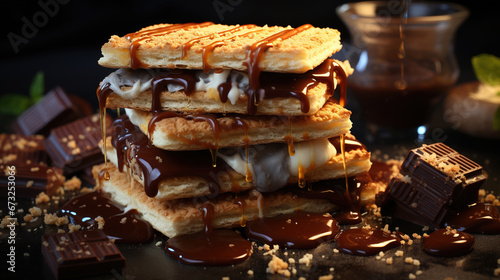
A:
[137,38]
[187,46]
[254,56]
[209,49]
[103,92]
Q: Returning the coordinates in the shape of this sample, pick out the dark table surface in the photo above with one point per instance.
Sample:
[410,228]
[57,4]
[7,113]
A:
[67,48]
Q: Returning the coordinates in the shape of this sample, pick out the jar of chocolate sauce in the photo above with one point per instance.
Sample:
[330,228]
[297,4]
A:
[403,57]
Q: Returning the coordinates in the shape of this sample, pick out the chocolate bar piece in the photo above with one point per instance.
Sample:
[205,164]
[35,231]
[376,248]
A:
[53,110]
[29,180]
[24,166]
[81,253]
[437,179]
[23,150]
[74,146]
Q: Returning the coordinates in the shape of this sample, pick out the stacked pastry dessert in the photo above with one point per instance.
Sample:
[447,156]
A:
[234,117]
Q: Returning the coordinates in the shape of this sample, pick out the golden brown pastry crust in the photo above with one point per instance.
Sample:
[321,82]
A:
[357,162]
[297,54]
[181,134]
[182,216]
[209,102]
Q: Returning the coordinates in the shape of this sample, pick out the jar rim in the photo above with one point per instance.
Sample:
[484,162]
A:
[369,10]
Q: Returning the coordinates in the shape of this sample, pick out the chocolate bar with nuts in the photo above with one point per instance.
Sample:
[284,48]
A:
[24,167]
[81,253]
[74,146]
[435,180]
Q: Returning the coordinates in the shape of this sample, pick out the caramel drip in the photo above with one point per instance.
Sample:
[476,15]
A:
[241,123]
[242,205]
[103,93]
[344,165]
[209,49]
[289,139]
[207,212]
[254,56]
[138,37]
[187,46]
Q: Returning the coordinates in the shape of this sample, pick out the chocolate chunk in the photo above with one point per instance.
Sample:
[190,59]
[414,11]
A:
[74,146]
[437,179]
[81,253]
[23,150]
[53,110]
[24,165]
[30,180]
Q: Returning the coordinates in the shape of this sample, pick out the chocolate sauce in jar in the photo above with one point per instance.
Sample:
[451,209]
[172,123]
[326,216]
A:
[477,218]
[448,243]
[211,246]
[125,227]
[297,230]
[366,241]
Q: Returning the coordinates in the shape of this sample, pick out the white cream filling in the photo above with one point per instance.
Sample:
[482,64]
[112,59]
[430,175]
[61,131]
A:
[271,165]
[140,80]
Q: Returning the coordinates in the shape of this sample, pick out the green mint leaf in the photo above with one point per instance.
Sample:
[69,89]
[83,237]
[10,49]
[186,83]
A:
[487,68]
[14,104]
[37,87]
[496,119]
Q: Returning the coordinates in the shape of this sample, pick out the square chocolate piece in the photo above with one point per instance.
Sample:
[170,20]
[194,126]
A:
[436,179]
[53,110]
[74,146]
[81,253]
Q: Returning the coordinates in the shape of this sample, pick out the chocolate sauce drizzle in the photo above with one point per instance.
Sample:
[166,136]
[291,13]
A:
[156,164]
[211,246]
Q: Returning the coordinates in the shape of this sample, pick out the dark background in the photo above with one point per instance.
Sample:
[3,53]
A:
[66,46]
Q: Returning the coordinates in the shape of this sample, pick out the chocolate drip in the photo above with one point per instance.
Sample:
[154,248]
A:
[125,227]
[209,247]
[103,93]
[138,37]
[297,230]
[157,165]
[161,82]
[349,203]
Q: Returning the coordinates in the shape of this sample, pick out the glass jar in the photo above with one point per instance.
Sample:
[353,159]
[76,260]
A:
[403,57]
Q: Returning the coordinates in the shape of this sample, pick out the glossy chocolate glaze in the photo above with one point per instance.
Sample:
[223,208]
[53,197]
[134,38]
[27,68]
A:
[125,227]
[363,241]
[297,230]
[211,246]
[448,243]
[477,218]
[157,164]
